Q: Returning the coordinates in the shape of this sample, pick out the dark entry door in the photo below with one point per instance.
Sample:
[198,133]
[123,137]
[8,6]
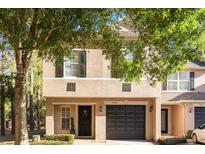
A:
[125,122]
[84,120]
[199,116]
[164,120]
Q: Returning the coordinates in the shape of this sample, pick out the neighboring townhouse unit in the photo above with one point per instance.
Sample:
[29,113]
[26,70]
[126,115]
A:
[81,95]
[183,100]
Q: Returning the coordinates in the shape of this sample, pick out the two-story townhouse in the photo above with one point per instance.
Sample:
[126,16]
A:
[81,95]
[183,100]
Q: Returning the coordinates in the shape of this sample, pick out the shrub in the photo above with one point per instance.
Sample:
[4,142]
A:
[61,137]
[188,134]
[50,142]
[172,140]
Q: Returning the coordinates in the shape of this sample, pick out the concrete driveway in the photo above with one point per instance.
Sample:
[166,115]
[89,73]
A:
[112,142]
[128,142]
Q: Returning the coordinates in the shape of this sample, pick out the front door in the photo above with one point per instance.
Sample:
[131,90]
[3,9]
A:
[164,120]
[84,120]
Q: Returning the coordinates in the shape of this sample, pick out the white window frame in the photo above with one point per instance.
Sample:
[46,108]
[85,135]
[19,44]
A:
[178,82]
[64,70]
[65,117]
[129,56]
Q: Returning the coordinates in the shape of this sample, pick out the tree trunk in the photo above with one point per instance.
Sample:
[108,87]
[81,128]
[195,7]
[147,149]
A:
[12,115]
[3,133]
[27,107]
[21,132]
[11,96]
[31,120]
[38,108]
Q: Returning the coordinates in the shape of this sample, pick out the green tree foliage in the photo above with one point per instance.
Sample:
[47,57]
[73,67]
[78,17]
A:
[166,40]
[6,65]
[51,33]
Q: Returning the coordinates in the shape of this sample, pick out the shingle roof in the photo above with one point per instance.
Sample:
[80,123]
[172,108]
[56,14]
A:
[196,64]
[127,33]
[198,96]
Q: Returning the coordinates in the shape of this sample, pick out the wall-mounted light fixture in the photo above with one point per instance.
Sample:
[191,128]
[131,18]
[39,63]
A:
[150,108]
[100,108]
[190,110]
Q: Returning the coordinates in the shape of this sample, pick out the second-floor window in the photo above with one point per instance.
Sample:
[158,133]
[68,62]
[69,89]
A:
[72,65]
[129,56]
[75,66]
[180,81]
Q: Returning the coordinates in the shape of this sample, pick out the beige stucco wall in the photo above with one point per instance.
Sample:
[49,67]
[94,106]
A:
[100,124]
[190,114]
[96,66]
[98,82]
[181,117]
[74,114]
[149,122]
[57,103]
[57,118]
[53,106]
[48,69]
[177,119]
[98,88]
[199,80]
[156,119]
[49,118]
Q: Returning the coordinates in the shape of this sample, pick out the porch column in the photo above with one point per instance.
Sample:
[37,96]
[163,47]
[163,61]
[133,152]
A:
[100,124]
[49,118]
[157,119]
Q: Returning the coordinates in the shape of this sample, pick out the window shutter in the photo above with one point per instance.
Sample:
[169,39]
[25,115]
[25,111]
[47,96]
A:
[83,64]
[164,85]
[191,81]
[59,70]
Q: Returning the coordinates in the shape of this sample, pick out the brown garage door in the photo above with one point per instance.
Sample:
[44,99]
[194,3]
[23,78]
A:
[125,122]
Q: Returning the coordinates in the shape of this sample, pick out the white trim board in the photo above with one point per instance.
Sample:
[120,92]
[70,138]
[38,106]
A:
[69,103]
[75,78]
[125,102]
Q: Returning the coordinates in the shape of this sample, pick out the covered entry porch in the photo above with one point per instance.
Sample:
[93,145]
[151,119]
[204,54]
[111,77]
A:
[172,120]
[90,118]
[75,118]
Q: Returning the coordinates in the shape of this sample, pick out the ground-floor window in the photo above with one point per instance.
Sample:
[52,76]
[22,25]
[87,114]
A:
[65,117]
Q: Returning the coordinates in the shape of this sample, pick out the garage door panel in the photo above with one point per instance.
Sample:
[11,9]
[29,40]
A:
[125,122]
[199,116]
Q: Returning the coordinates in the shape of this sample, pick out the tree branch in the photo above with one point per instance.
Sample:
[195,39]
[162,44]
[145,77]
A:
[33,27]
[49,34]
[38,45]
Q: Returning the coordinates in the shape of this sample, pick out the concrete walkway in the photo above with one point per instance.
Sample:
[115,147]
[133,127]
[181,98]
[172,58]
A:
[112,142]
